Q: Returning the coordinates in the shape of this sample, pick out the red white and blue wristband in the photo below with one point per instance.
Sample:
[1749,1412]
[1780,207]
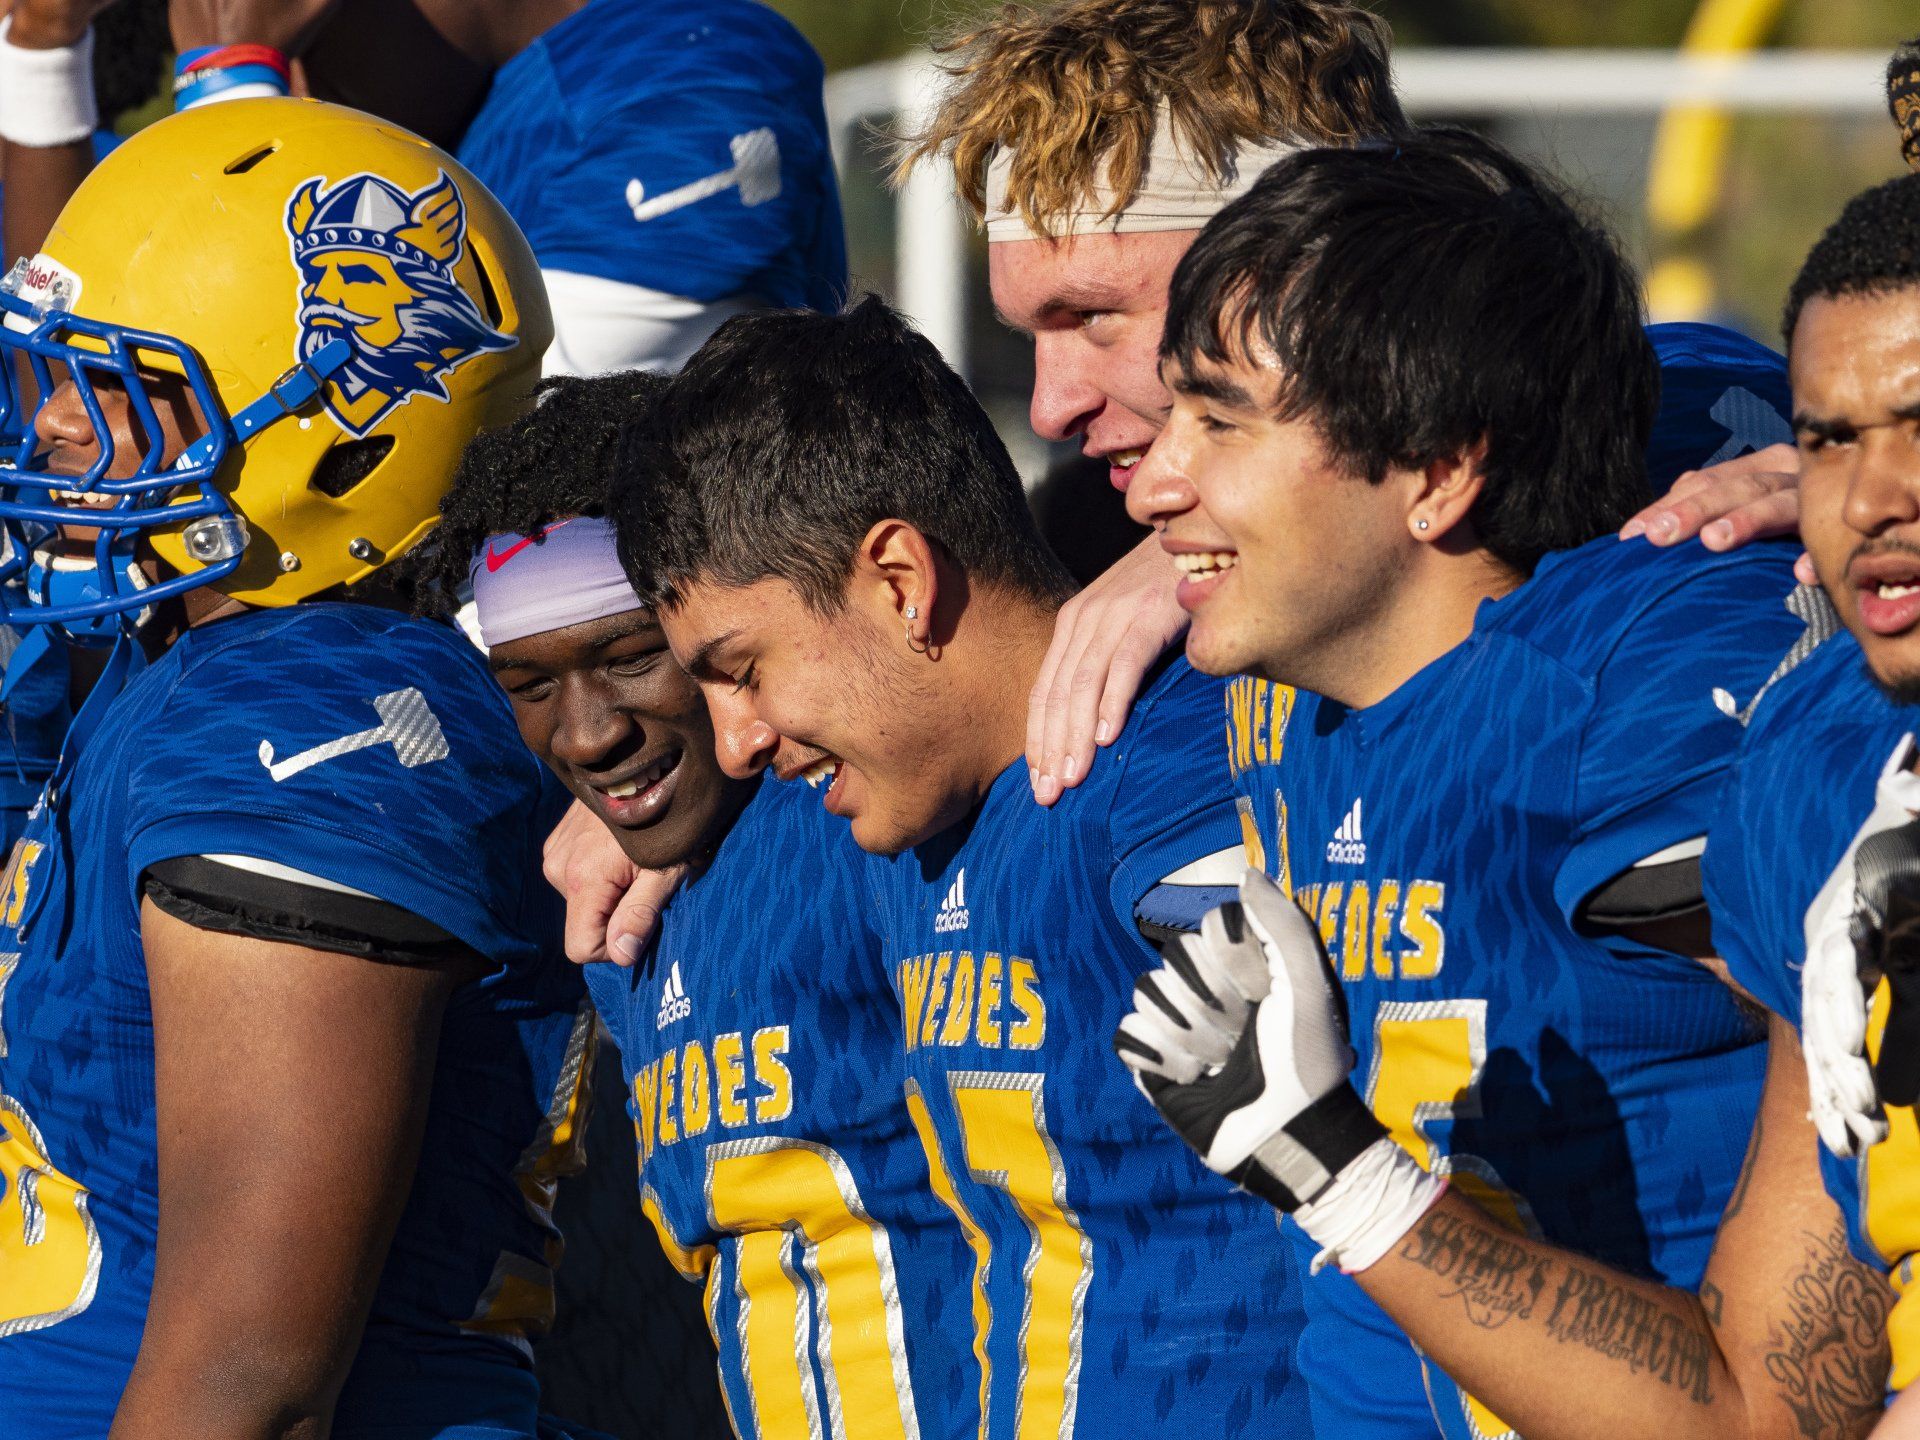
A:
[212,73]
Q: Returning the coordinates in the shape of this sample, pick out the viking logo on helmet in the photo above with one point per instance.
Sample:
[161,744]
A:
[377,266]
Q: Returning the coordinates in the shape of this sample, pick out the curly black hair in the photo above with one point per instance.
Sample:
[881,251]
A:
[552,463]
[131,45]
[1872,248]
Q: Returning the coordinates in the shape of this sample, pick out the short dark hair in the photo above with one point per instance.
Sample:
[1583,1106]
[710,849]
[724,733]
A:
[1873,248]
[790,434]
[553,463]
[1422,295]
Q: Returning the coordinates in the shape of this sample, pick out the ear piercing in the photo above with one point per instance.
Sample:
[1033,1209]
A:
[1420,525]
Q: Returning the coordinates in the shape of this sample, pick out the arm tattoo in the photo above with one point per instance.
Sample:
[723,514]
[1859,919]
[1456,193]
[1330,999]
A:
[1497,1280]
[1739,1200]
[1487,1272]
[1828,1350]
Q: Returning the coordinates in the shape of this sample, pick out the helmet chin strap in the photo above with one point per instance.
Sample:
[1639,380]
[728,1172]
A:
[294,389]
[77,582]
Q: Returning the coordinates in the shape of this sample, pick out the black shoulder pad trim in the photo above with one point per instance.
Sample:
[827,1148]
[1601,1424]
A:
[1647,893]
[209,895]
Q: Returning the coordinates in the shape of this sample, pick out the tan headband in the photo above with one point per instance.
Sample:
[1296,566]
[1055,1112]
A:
[1176,191]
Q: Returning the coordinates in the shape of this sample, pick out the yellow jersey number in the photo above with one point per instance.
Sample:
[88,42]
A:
[1428,1057]
[1890,1209]
[796,1216]
[49,1244]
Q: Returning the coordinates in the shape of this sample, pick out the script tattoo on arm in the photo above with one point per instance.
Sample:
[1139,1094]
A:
[1828,1350]
[1498,1280]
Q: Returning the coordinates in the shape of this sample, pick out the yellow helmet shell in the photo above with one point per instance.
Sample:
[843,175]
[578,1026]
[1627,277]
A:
[256,230]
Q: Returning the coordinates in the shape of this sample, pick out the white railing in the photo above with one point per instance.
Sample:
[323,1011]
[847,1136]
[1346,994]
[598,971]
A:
[930,233]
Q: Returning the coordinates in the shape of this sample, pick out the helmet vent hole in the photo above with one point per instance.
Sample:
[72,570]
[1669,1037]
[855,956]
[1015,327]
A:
[252,158]
[347,464]
[489,301]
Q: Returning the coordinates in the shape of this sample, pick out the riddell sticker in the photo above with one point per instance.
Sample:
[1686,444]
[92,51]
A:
[45,284]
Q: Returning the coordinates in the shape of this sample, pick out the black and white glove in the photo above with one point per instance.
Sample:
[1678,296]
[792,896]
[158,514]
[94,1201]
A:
[1860,927]
[1240,1042]
[1886,938]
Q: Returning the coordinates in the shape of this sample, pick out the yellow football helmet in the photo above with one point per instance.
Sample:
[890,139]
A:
[347,306]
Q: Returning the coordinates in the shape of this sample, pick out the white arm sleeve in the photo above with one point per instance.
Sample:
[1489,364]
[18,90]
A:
[601,325]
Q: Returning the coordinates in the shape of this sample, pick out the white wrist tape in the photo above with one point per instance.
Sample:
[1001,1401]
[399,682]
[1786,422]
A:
[46,96]
[1369,1206]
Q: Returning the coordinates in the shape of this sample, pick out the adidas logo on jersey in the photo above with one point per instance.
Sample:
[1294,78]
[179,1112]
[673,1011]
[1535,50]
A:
[953,910]
[1346,847]
[674,1004]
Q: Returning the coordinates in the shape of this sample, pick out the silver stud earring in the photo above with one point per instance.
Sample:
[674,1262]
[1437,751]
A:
[913,612]
[1419,524]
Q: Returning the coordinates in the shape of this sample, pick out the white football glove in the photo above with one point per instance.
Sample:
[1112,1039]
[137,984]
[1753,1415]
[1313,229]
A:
[1839,929]
[1240,1042]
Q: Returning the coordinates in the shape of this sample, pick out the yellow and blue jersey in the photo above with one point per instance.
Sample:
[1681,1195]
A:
[762,1052]
[1117,1287]
[676,145]
[1580,1085]
[1803,785]
[375,752]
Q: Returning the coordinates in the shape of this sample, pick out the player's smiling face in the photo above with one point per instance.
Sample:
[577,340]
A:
[1095,306]
[1285,555]
[816,698]
[70,445]
[1855,368]
[606,707]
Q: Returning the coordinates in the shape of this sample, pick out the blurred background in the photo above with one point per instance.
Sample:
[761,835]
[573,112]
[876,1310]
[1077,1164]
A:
[1718,136]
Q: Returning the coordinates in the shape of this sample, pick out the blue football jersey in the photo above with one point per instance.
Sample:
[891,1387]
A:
[1803,785]
[1118,1288]
[1721,396]
[375,751]
[777,1159]
[33,718]
[1581,1086]
[679,145]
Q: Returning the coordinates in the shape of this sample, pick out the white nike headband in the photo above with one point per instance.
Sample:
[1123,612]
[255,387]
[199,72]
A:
[566,575]
[1176,190]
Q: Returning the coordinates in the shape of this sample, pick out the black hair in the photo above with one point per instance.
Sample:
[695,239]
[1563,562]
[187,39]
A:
[552,463]
[790,434]
[1424,295]
[1874,247]
[1903,98]
[131,45]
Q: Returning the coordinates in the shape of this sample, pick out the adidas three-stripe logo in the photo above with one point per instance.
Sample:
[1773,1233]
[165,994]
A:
[674,1004]
[1347,846]
[953,910]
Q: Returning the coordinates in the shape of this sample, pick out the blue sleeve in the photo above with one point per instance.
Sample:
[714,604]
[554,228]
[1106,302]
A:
[1659,739]
[593,136]
[765,237]
[1803,784]
[1174,808]
[1721,396]
[1747,886]
[384,759]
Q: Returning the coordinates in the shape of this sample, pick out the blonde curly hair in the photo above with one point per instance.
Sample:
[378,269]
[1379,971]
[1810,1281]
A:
[1071,86]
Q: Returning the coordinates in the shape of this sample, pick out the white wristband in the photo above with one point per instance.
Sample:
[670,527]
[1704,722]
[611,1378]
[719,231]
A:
[46,96]
[1373,1202]
[238,92]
